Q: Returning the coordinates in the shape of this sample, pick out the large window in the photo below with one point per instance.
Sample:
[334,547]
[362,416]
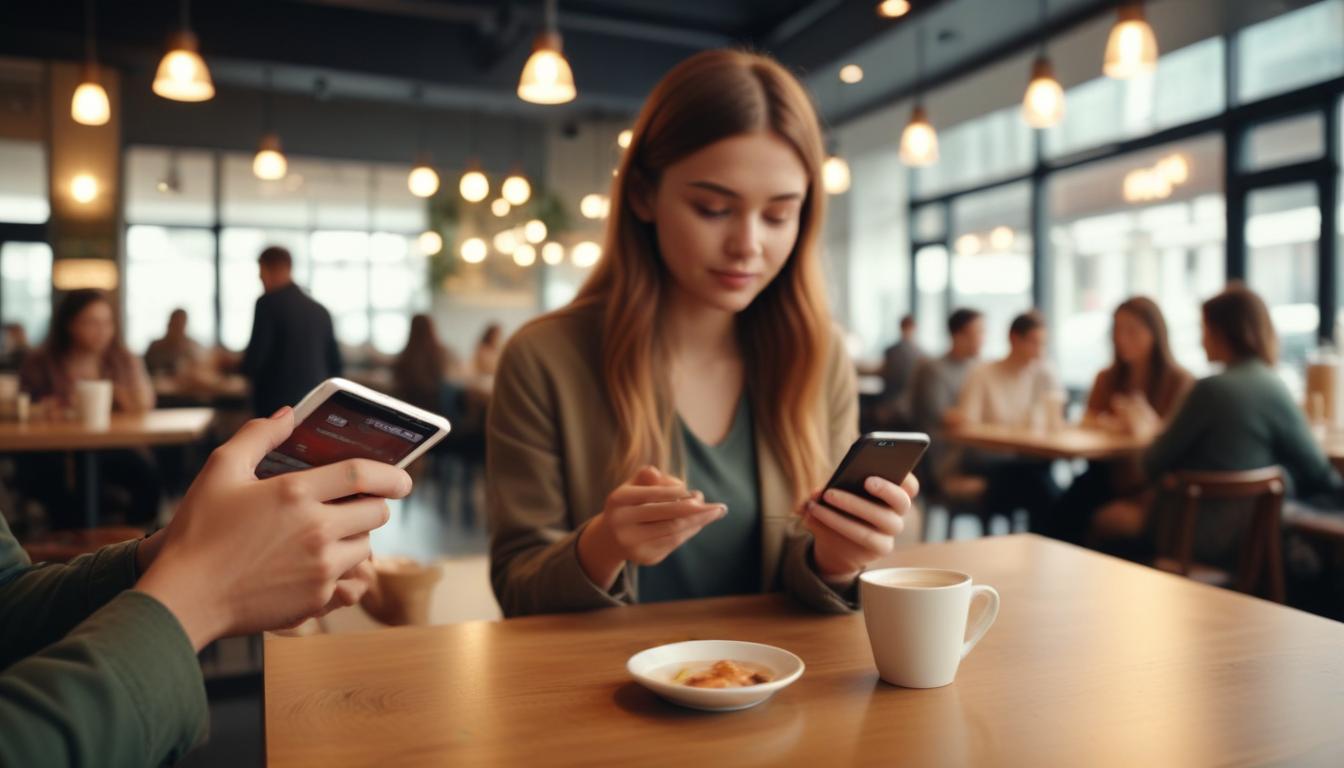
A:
[1112,237]
[1187,85]
[23,182]
[1292,50]
[168,268]
[25,287]
[350,227]
[1283,227]
[991,263]
[994,146]
[931,283]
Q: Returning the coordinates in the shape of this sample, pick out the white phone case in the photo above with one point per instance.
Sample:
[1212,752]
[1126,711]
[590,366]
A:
[326,389]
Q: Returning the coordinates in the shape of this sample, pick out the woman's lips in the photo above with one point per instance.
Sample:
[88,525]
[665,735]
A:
[732,279]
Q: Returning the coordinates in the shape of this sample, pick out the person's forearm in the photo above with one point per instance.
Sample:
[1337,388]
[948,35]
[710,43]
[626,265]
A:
[177,589]
[598,556]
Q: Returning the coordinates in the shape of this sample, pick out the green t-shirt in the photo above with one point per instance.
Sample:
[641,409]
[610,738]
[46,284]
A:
[724,558]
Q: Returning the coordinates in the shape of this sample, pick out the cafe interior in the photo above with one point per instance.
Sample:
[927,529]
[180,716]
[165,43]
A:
[1017,194]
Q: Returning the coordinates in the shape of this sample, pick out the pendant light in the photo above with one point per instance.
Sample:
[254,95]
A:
[473,186]
[423,180]
[182,74]
[919,141]
[1131,48]
[89,105]
[1043,103]
[893,9]
[474,250]
[269,164]
[835,175]
[516,189]
[547,78]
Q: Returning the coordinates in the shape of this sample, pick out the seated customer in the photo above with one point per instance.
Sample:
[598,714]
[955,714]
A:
[1242,418]
[99,656]
[664,436]
[936,384]
[1145,383]
[1010,392]
[419,372]
[898,365]
[176,351]
[84,344]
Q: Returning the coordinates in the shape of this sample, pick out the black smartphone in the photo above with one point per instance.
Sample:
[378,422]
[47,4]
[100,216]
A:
[888,455]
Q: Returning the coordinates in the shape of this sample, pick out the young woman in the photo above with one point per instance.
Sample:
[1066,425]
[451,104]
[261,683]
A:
[663,436]
[422,367]
[1141,388]
[83,344]
[485,359]
[1241,418]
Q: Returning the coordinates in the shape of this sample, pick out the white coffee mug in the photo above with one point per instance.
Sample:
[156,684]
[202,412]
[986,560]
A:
[93,403]
[916,620]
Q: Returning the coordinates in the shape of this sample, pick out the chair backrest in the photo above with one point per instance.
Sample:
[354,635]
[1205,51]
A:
[1260,543]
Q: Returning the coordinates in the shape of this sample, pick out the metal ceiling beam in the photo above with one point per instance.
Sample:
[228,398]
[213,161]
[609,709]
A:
[531,15]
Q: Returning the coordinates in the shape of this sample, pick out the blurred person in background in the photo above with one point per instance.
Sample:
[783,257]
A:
[84,344]
[1012,392]
[424,365]
[176,352]
[15,347]
[1143,384]
[293,345]
[935,387]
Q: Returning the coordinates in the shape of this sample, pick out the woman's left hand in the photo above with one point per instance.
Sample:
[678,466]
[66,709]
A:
[861,531]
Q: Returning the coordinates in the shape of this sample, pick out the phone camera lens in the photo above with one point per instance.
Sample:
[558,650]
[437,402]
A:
[883,444]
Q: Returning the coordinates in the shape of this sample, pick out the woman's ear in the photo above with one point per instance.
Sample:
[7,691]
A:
[639,194]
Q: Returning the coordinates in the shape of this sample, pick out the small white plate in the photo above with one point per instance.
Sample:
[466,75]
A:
[650,669]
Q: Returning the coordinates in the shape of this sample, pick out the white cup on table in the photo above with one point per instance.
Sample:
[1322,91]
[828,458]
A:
[916,619]
[93,403]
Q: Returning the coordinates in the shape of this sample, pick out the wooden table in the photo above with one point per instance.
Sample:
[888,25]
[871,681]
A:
[1076,442]
[1093,661]
[173,426]
[1070,442]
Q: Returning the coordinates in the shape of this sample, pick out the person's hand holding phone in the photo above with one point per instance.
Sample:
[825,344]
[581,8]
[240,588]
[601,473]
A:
[244,555]
[849,531]
[644,521]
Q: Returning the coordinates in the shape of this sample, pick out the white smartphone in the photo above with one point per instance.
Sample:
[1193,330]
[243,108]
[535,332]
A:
[342,420]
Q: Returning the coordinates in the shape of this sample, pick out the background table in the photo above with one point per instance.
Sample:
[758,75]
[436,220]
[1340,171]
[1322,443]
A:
[1093,661]
[172,426]
[1070,442]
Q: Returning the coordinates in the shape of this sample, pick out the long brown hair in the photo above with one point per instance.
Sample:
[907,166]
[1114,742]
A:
[1162,365]
[420,368]
[784,333]
[1239,317]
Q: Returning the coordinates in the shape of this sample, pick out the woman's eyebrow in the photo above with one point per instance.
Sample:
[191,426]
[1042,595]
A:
[726,192]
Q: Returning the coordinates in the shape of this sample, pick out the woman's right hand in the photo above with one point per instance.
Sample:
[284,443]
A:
[243,555]
[643,522]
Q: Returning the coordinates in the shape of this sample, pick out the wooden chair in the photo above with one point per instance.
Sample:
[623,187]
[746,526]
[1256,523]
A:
[1261,556]
[960,495]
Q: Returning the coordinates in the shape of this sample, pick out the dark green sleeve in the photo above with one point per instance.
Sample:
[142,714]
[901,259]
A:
[121,689]
[39,604]
[1299,453]
[1181,433]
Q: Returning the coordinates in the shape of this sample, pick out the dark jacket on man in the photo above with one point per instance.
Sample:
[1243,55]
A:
[293,349]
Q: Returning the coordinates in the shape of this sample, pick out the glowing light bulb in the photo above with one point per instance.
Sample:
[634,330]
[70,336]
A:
[1043,104]
[89,105]
[84,188]
[546,77]
[1131,48]
[269,164]
[919,141]
[474,186]
[430,242]
[893,9]
[423,181]
[525,255]
[182,74]
[553,253]
[534,231]
[835,175]
[586,254]
[516,189]
[851,74]
[500,207]
[593,206]
[474,250]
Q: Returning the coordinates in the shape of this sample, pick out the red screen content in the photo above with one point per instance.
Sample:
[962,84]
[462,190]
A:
[346,427]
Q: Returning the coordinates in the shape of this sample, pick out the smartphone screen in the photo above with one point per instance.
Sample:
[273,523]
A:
[346,426]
